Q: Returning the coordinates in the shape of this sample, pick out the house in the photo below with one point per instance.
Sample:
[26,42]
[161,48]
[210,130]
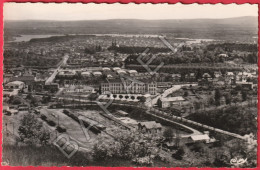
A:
[97,73]
[105,69]
[7,77]
[15,85]
[162,86]
[230,74]
[10,92]
[228,81]
[67,74]
[53,87]
[170,101]
[218,83]
[243,76]
[191,77]
[5,108]
[223,55]
[222,100]
[246,85]
[85,74]
[176,77]
[150,127]
[163,77]
[120,72]
[132,72]
[41,77]
[205,82]
[23,107]
[217,74]
[206,76]
[116,68]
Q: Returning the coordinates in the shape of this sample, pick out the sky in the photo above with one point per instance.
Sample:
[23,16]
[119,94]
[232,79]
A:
[91,11]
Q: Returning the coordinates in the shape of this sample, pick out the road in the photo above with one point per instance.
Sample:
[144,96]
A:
[56,71]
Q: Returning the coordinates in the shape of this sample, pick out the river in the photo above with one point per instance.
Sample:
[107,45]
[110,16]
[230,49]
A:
[25,38]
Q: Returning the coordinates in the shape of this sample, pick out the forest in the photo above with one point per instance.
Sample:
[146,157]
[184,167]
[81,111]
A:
[236,119]
[210,54]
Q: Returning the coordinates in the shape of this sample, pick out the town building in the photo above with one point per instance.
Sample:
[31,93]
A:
[15,85]
[118,86]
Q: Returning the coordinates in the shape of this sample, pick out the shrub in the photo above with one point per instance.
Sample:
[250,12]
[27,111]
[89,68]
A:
[65,111]
[127,147]
[43,117]
[51,123]
[143,161]
[168,133]
[179,154]
[16,101]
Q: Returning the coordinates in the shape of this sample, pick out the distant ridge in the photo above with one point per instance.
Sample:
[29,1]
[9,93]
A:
[228,28]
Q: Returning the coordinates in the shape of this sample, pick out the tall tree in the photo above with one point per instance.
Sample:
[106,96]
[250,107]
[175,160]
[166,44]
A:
[217,97]
[168,134]
[244,95]
[31,131]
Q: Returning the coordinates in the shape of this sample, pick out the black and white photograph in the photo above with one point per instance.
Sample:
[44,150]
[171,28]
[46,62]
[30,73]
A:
[130,85]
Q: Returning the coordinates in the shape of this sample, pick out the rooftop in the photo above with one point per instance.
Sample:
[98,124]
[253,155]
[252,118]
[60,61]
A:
[173,99]
[15,82]
[200,137]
